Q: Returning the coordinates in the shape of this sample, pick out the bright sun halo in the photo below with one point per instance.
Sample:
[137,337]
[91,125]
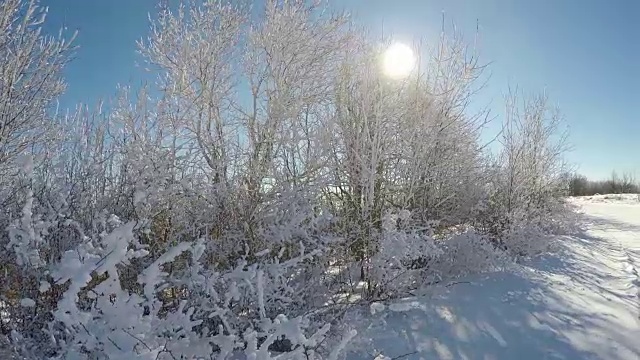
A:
[398,61]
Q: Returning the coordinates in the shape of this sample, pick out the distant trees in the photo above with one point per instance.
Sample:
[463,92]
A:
[579,185]
[628,183]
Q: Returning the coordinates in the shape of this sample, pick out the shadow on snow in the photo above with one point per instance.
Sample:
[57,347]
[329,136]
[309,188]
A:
[559,306]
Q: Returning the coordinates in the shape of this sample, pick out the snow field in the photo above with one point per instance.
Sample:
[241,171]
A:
[581,302]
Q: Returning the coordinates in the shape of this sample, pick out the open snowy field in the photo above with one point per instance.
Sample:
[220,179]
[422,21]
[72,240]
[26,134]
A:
[582,302]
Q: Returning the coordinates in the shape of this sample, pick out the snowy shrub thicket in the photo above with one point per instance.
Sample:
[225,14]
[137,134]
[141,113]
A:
[270,178]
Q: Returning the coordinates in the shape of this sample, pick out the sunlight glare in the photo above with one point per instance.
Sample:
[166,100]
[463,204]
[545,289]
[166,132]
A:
[398,61]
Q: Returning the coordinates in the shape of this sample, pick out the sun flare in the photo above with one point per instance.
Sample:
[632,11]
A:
[398,61]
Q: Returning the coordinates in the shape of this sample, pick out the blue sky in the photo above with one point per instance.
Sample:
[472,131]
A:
[585,54]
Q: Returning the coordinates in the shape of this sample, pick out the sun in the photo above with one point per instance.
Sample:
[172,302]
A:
[398,61]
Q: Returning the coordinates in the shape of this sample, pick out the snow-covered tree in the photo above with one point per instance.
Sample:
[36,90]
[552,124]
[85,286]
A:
[528,182]
[270,177]
[30,79]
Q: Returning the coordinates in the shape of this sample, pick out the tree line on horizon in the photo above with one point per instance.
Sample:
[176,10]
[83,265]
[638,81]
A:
[627,183]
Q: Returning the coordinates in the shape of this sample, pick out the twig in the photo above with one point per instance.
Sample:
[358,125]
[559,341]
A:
[404,355]
[135,337]
[397,357]
[114,344]
[457,282]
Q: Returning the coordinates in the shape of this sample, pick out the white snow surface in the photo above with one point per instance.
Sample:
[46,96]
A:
[580,302]
[26,302]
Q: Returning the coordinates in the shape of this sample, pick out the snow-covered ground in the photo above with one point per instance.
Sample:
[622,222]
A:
[582,302]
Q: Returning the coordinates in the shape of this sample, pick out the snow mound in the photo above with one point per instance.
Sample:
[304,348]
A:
[630,199]
[26,302]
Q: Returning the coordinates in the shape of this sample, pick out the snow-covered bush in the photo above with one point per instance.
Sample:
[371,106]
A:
[464,252]
[525,196]
[31,67]
[406,144]
[183,311]
[199,217]
[404,253]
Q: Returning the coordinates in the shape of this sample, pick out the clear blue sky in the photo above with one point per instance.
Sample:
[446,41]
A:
[586,54]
